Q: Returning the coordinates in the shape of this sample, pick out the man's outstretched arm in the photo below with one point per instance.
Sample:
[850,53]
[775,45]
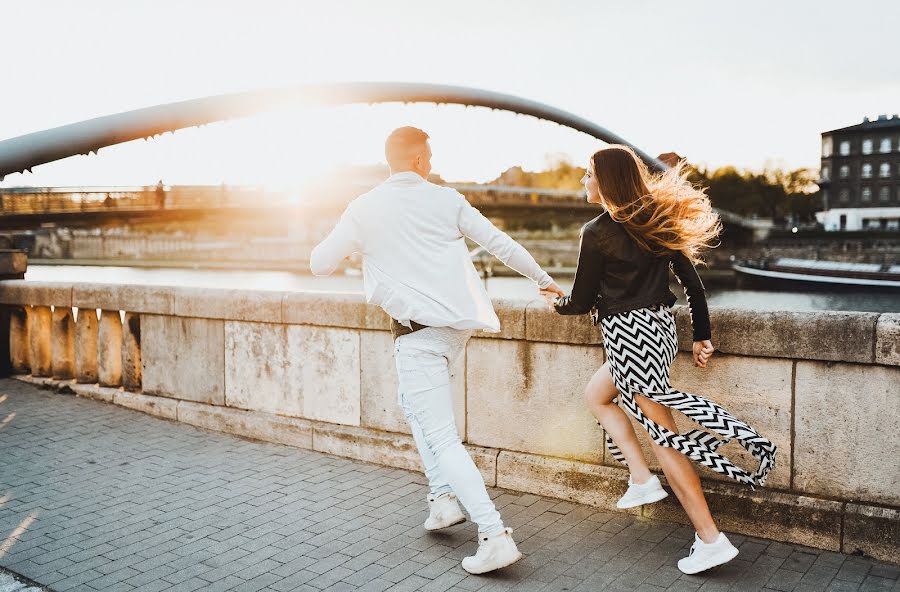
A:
[342,242]
[478,228]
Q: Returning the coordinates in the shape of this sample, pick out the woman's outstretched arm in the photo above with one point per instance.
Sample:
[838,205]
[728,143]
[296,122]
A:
[587,279]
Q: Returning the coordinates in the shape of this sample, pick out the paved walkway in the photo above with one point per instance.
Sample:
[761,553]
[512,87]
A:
[104,498]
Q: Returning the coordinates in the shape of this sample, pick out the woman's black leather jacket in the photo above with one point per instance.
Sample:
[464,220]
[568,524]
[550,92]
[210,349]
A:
[616,275]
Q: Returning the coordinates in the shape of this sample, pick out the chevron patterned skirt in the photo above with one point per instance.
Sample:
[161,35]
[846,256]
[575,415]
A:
[640,347]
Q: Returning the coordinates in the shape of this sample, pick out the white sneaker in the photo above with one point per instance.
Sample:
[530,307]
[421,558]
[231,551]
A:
[493,553]
[643,493]
[704,556]
[444,511]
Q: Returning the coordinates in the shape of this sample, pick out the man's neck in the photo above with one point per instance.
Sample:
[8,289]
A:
[397,172]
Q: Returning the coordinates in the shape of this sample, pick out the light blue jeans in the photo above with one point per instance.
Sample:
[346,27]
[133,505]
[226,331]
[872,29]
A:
[423,366]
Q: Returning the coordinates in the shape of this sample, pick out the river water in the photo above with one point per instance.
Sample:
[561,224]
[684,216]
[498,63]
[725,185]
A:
[497,286]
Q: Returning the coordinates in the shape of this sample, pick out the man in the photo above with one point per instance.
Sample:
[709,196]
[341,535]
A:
[411,234]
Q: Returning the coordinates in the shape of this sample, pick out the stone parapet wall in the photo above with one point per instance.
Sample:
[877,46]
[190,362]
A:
[315,370]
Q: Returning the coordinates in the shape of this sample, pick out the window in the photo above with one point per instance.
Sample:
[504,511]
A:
[885,145]
[826,147]
[844,195]
[884,171]
[867,146]
[826,173]
[867,170]
[844,171]
[866,194]
[845,148]
[884,194]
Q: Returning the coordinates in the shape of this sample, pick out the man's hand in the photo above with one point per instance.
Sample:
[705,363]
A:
[703,350]
[551,294]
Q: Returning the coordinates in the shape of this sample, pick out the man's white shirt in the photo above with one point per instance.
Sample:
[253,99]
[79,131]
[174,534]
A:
[411,234]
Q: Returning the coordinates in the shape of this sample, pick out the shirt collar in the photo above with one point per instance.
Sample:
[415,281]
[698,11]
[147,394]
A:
[404,177]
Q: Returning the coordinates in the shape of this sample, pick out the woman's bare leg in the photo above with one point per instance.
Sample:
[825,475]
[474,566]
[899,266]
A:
[680,473]
[599,393]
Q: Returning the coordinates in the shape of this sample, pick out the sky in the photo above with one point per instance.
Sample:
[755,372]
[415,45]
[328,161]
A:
[721,83]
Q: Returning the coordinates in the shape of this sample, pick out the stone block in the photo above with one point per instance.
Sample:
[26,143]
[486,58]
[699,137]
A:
[35,293]
[234,305]
[95,391]
[822,335]
[40,323]
[86,336]
[542,324]
[257,425]
[584,483]
[333,310]
[131,351]
[511,312]
[763,513]
[528,397]
[257,369]
[846,431]
[183,358]
[128,297]
[158,406]
[887,340]
[109,348]
[13,262]
[19,340]
[872,531]
[754,390]
[324,367]
[379,406]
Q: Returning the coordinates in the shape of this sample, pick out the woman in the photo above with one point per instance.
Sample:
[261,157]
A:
[649,224]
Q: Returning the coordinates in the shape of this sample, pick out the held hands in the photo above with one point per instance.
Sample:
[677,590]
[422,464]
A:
[703,350]
[551,294]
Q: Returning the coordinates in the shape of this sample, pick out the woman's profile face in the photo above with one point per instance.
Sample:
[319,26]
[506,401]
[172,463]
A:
[591,186]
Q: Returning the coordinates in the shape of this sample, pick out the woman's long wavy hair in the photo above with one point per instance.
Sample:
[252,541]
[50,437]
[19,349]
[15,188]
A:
[662,212]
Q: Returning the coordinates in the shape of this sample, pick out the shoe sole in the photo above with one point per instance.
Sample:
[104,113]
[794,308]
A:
[720,560]
[649,499]
[477,573]
[460,521]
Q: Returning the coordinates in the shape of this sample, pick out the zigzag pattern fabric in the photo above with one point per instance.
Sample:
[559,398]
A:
[640,347]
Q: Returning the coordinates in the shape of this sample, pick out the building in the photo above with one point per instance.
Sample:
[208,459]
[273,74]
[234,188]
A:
[860,176]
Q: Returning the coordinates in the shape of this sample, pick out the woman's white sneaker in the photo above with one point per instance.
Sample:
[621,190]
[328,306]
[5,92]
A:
[443,511]
[643,493]
[493,553]
[704,556]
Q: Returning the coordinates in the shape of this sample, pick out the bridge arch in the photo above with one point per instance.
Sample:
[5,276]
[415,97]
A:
[21,153]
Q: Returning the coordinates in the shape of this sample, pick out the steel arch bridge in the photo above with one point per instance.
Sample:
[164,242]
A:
[22,153]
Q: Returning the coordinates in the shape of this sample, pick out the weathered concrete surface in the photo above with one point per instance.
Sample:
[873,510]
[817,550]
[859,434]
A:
[527,396]
[86,336]
[542,324]
[764,513]
[380,408]
[109,348]
[152,405]
[325,368]
[36,293]
[40,323]
[585,483]
[887,340]
[825,335]
[755,390]
[512,315]
[334,310]
[233,305]
[127,297]
[390,449]
[258,369]
[249,424]
[183,358]
[19,340]
[872,531]
[95,391]
[846,442]
[131,351]
[62,346]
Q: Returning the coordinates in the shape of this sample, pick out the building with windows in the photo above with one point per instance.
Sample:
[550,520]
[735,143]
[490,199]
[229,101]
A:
[860,176]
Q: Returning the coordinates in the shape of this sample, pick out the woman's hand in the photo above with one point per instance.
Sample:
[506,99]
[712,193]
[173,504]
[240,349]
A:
[703,350]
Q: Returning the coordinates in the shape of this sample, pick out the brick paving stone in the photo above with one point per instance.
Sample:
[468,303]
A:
[125,501]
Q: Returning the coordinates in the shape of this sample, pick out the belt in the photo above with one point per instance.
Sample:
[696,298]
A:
[398,329]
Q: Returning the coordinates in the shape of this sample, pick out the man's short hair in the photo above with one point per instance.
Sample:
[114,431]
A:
[403,144]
